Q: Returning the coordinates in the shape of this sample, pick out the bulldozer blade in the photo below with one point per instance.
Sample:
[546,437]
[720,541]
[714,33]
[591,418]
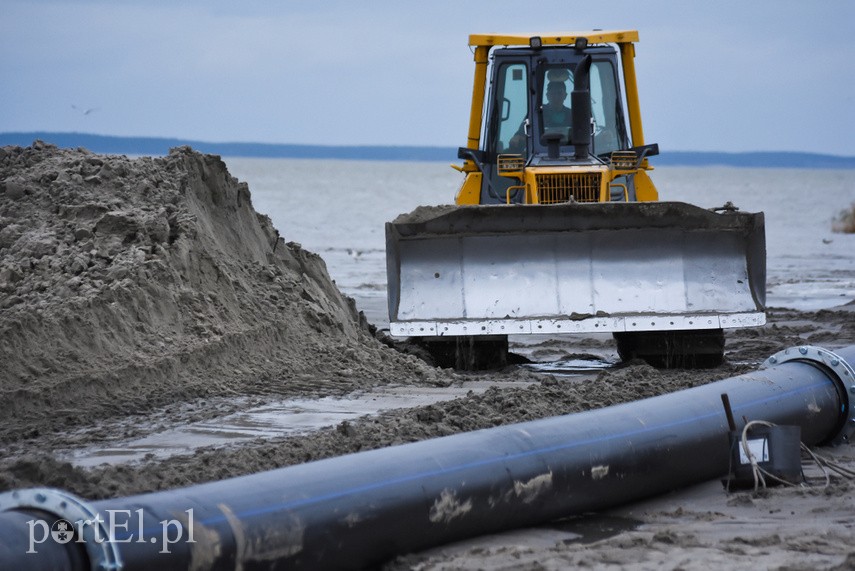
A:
[574,268]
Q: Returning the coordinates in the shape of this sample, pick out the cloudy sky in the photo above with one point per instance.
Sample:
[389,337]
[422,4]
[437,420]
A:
[724,75]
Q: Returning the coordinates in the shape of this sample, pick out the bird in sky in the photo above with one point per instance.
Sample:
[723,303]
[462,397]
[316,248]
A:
[84,111]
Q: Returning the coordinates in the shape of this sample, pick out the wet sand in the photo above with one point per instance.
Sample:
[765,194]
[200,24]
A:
[142,297]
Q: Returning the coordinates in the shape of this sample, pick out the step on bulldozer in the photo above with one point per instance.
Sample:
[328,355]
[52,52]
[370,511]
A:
[557,227]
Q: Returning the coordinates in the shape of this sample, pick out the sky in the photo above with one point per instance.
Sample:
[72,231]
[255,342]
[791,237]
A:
[723,75]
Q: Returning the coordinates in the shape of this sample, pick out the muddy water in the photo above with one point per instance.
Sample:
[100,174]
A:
[245,419]
[273,419]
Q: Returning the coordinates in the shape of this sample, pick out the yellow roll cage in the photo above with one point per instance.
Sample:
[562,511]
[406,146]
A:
[483,43]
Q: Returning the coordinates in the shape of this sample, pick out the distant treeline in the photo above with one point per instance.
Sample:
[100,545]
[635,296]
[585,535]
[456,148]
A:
[160,146]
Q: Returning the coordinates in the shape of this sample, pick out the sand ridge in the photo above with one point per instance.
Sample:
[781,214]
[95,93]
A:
[129,284]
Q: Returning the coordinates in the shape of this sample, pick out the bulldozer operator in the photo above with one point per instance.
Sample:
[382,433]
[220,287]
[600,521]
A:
[556,115]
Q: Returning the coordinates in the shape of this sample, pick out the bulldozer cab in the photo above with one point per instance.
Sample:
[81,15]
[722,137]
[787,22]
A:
[555,119]
[530,103]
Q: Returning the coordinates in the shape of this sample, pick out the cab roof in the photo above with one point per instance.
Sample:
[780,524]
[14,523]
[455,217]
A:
[561,38]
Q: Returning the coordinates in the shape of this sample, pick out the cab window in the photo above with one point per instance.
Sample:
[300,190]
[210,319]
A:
[512,108]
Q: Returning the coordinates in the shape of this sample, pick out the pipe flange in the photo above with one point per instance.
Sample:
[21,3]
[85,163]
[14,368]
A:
[844,377]
[102,551]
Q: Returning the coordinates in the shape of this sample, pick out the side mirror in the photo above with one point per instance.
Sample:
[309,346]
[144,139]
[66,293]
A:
[474,155]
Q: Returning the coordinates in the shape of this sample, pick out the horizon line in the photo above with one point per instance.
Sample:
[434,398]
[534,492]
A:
[111,144]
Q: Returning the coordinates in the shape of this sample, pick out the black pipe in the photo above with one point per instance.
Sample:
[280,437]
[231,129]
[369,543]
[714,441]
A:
[361,509]
[580,103]
[48,556]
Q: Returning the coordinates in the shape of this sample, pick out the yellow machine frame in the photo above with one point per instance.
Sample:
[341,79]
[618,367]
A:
[602,185]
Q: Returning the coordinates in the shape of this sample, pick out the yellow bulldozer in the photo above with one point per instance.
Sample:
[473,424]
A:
[557,227]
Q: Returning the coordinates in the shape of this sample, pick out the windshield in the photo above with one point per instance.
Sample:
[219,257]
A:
[555,111]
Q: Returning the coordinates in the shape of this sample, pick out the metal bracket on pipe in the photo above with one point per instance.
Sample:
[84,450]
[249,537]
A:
[843,375]
[102,551]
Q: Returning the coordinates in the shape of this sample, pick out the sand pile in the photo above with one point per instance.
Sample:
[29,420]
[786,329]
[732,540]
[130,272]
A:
[126,284]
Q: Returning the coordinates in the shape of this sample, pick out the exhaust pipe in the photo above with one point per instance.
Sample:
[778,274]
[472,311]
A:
[580,101]
[359,510]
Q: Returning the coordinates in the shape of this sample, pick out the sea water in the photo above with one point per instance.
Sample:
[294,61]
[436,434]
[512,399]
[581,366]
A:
[338,209]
